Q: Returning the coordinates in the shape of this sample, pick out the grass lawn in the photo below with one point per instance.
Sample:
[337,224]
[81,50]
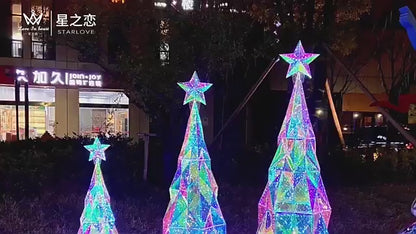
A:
[376,209]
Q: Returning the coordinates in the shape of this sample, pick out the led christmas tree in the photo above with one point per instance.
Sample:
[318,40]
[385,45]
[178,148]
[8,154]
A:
[193,206]
[97,217]
[294,200]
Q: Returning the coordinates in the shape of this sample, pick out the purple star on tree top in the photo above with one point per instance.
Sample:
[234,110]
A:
[194,89]
[299,61]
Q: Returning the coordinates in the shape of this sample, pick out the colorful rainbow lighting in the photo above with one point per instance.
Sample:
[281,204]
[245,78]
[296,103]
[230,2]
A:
[193,206]
[295,200]
[97,217]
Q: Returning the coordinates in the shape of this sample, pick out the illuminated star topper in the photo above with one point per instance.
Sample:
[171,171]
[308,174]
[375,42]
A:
[194,89]
[299,61]
[97,150]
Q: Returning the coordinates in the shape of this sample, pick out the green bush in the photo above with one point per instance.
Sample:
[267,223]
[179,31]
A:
[34,166]
[378,165]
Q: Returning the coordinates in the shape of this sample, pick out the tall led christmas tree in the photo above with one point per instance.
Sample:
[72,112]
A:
[193,206]
[97,217]
[294,200]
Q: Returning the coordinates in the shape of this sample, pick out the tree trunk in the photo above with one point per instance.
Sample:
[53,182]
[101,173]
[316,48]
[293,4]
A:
[334,113]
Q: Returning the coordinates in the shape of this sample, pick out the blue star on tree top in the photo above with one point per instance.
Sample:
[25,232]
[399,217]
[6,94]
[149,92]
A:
[96,150]
[299,61]
[194,89]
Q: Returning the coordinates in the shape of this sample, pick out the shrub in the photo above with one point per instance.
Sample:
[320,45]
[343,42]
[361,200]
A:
[31,166]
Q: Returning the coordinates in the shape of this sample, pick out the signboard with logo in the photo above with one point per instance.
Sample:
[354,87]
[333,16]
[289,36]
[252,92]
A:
[46,77]
[34,19]
[75,24]
[412,114]
[64,24]
[34,23]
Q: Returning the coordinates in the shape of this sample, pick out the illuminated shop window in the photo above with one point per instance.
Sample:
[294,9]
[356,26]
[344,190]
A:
[95,120]
[46,95]
[41,119]
[103,112]
[41,113]
[103,97]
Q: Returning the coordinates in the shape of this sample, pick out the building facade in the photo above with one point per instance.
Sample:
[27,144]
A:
[66,97]
[356,109]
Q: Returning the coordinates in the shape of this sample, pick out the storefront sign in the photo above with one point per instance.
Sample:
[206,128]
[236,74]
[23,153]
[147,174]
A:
[65,24]
[59,78]
[78,24]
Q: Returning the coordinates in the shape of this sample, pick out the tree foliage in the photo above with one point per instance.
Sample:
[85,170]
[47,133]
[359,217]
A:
[330,21]
[222,46]
[394,55]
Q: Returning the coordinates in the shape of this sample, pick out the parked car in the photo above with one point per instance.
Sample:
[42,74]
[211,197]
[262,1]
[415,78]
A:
[381,136]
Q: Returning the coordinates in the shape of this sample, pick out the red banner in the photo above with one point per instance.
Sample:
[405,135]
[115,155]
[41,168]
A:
[6,75]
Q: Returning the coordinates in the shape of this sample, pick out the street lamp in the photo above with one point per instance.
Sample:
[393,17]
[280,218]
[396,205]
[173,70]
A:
[319,112]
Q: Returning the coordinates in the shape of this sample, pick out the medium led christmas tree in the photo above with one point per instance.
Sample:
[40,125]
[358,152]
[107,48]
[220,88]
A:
[294,200]
[193,206]
[97,217]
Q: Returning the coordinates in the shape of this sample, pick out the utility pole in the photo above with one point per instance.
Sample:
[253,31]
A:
[26,111]
[146,139]
[17,101]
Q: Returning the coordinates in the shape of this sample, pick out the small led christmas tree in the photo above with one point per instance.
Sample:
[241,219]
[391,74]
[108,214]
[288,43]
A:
[294,200]
[193,206]
[97,217]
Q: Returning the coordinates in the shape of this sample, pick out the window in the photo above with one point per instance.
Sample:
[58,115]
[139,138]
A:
[103,112]
[17,39]
[46,95]
[103,97]
[379,119]
[164,46]
[95,120]
[187,5]
[41,113]
[42,47]
[41,119]
[164,53]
